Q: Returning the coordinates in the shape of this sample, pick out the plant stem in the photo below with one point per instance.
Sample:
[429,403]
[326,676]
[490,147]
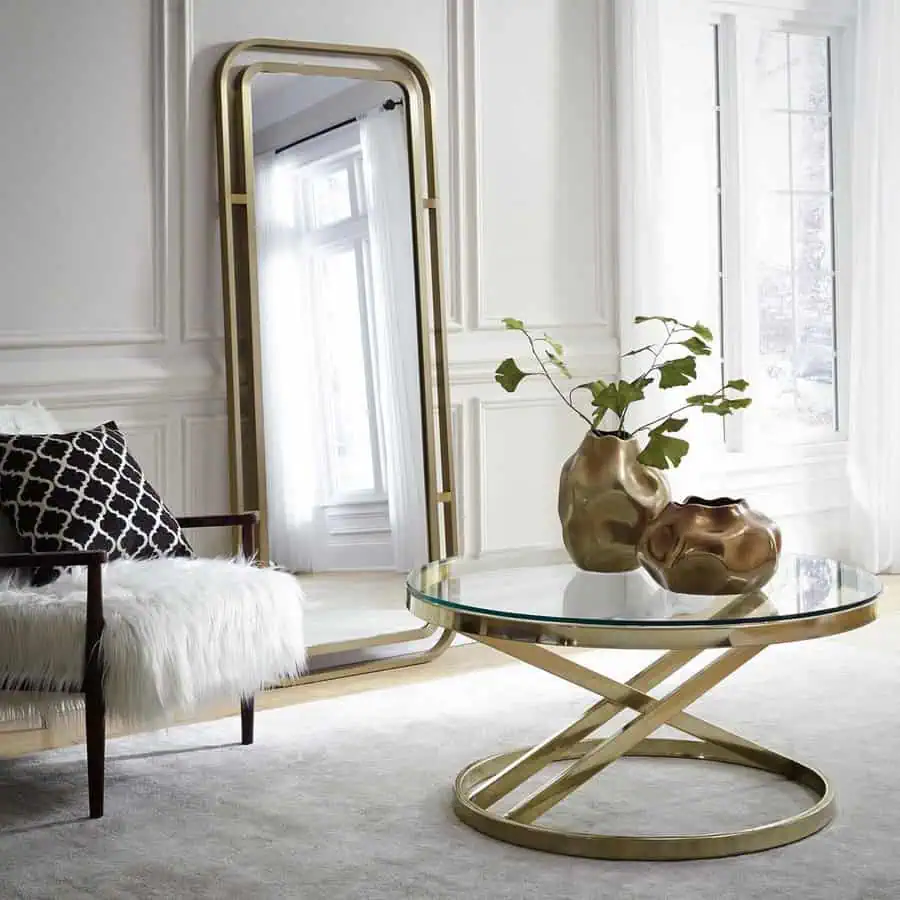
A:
[719,392]
[553,384]
[663,418]
[669,332]
[578,387]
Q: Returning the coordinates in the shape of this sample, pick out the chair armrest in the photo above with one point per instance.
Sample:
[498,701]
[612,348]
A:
[94,624]
[215,521]
[53,558]
[248,522]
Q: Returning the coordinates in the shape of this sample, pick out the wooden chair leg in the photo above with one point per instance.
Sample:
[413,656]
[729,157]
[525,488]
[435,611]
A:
[95,734]
[247,720]
[94,699]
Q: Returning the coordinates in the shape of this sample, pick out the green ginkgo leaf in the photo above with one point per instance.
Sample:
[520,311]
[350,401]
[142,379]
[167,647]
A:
[695,345]
[677,372]
[725,406]
[701,331]
[667,319]
[558,362]
[556,345]
[663,451]
[671,424]
[605,398]
[508,375]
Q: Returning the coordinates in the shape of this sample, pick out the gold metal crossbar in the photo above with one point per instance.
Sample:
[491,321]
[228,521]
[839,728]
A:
[482,784]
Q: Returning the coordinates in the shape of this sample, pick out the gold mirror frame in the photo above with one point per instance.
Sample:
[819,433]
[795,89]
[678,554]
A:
[237,225]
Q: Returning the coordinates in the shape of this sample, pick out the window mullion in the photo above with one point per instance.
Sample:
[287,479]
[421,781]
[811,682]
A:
[841,90]
[367,314]
[732,216]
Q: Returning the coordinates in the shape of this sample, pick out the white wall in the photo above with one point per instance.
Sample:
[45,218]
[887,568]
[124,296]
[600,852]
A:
[111,286]
[293,124]
[92,314]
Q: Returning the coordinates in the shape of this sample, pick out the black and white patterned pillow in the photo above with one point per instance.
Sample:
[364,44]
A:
[83,490]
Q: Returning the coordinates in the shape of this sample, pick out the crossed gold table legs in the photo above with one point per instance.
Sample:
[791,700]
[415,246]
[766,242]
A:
[482,784]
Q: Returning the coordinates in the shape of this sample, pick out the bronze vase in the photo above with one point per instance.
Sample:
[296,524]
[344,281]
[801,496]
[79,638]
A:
[606,500]
[719,546]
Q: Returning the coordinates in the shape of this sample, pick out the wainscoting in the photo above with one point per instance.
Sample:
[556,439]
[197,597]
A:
[119,313]
[112,270]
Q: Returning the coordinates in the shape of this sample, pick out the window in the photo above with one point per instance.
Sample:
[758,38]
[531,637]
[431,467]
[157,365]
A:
[345,370]
[330,200]
[775,173]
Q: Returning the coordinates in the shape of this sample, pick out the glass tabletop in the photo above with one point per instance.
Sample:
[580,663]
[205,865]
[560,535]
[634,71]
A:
[556,591]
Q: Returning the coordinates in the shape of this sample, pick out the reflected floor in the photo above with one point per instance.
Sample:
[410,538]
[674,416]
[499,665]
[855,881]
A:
[346,605]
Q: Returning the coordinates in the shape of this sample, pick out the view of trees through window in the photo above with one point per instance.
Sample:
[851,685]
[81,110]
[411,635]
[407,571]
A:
[794,266]
[789,337]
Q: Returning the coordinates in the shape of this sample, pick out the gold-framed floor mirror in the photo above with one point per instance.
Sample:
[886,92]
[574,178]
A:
[338,398]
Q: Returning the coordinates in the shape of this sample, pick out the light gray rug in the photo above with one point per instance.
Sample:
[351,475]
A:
[350,798]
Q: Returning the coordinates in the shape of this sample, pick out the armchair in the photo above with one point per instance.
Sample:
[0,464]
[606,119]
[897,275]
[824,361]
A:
[105,659]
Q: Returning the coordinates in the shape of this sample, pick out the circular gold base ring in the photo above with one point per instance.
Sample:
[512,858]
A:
[663,847]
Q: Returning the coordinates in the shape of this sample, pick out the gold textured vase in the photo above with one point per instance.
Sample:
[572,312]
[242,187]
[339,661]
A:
[606,500]
[719,546]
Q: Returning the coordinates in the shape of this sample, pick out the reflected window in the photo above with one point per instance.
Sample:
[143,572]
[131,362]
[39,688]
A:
[345,374]
[338,370]
[330,199]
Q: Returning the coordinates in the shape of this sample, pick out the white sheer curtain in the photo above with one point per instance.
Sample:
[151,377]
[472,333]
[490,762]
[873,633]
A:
[286,352]
[386,169]
[874,421]
[638,128]
[666,180]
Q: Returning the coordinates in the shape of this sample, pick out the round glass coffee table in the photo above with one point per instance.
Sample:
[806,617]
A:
[523,611]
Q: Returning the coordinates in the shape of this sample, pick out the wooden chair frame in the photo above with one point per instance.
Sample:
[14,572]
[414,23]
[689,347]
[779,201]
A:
[92,683]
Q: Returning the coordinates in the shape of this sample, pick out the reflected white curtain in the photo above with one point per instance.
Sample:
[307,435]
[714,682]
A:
[386,174]
[874,408]
[288,400]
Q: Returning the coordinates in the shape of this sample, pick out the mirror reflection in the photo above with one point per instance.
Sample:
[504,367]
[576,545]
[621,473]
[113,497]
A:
[340,357]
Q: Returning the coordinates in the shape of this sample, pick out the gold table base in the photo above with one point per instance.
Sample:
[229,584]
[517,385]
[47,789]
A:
[483,783]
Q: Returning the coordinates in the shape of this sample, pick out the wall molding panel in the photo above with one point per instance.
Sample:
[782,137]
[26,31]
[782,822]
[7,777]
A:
[177,30]
[203,475]
[161,162]
[473,357]
[203,448]
[462,189]
[196,324]
[586,20]
[107,381]
[459,431]
[519,447]
[154,333]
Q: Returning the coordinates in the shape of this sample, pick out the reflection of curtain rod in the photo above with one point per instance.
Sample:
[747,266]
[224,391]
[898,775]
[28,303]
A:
[388,105]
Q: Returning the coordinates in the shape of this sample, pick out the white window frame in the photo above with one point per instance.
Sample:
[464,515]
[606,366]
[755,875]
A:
[834,21]
[341,150]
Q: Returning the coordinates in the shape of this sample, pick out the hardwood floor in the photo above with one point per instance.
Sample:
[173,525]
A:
[18,739]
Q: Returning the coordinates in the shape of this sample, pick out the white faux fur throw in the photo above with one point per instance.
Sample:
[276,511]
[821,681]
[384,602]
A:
[180,633]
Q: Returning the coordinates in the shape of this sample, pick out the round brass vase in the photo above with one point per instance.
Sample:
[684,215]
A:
[716,546]
[606,500]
